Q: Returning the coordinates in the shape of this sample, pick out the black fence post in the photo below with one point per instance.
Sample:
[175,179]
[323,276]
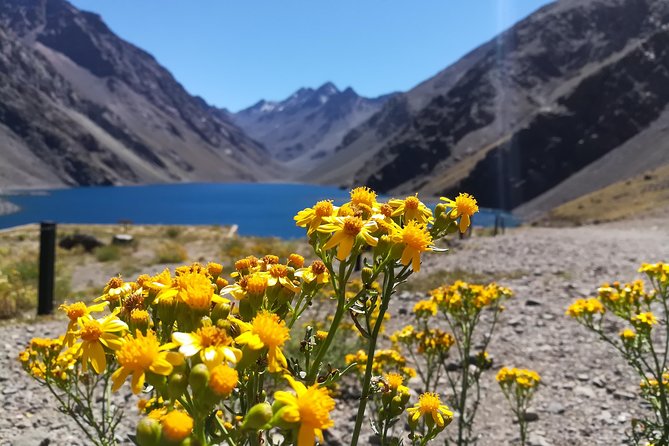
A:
[47,264]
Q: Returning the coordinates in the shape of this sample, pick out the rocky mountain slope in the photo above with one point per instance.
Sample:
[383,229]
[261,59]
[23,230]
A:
[565,102]
[309,124]
[80,106]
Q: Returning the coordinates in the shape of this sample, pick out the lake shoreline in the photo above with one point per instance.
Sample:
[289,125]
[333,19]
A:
[249,205]
[7,207]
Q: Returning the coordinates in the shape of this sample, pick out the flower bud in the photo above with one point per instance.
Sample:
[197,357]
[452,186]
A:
[148,432]
[397,250]
[382,247]
[278,420]
[439,210]
[246,310]
[258,416]
[214,269]
[176,385]
[199,377]
[366,275]
[220,311]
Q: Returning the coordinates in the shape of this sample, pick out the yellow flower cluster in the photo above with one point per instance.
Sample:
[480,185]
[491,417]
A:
[205,348]
[464,301]
[642,342]
[424,341]
[657,273]
[405,227]
[585,308]
[385,361]
[179,334]
[523,378]
[652,383]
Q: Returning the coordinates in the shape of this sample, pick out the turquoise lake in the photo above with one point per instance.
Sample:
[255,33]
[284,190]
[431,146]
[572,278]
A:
[258,209]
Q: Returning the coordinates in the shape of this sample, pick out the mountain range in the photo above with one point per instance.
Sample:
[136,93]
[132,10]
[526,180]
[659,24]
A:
[309,124]
[80,106]
[569,100]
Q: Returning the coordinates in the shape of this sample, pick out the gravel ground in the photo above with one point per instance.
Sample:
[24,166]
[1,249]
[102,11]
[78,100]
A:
[588,397]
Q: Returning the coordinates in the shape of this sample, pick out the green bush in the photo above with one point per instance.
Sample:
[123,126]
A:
[108,253]
[171,253]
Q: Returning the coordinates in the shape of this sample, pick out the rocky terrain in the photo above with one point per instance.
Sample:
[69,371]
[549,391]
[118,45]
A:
[80,106]
[309,124]
[567,101]
[588,395]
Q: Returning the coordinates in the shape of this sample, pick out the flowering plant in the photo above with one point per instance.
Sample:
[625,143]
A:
[471,313]
[642,339]
[519,386]
[210,357]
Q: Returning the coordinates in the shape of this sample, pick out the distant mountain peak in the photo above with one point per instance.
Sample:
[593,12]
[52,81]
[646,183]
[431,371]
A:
[308,120]
[328,89]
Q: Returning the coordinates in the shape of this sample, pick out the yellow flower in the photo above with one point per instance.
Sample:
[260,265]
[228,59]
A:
[393,380]
[140,354]
[256,284]
[115,289]
[312,217]
[309,406]
[345,230]
[266,330]
[527,378]
[429,405]
[506,375]
[425,308]
[464,206]
[647,319]
[363,197]
[140,318]
[197,291]
[95,334]
[75,311]
[295,260]
[213,344]
[412,209]
[587,307]
[223,380]
[628,334]
[416,240]
[177,425]
[278,274]
[316,272]
[214,269]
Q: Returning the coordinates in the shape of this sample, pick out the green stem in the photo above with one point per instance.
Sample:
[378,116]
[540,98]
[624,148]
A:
[339,285]
[464,386]
[389,280]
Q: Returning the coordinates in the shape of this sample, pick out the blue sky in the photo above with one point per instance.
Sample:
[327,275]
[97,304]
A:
[236,52]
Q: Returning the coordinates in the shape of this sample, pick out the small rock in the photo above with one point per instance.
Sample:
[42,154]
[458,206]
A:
[555,408]
[622,395]
[584,391]
[582,377]
[532,303]
[122,239]
[531,416]
[538,440]
[599,382]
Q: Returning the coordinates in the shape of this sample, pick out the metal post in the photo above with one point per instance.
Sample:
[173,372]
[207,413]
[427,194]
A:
[47,263]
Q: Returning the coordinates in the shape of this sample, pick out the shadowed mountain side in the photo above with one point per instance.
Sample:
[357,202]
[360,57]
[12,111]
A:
[520,94]
[80,106]
[607,109]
